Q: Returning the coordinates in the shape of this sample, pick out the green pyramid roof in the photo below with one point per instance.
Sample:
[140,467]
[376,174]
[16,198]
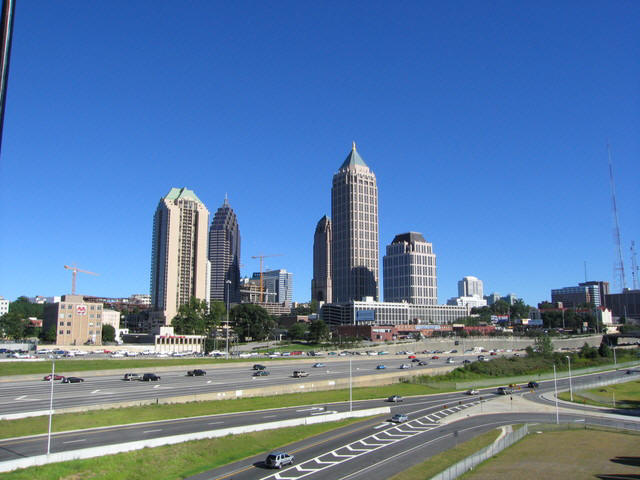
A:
[353,159]
[184,193]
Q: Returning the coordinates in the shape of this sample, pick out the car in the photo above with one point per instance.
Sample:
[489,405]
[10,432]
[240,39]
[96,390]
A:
[404,366]
[481,357]
[257,366]
[473,391]
[300,374]
[381,367]
[629,372]
[493,353]
[261,373]
[435,357]
[73,380]
[55,377]
[422,363]
[533,384]
[411,356]
[466,362]
[399,418]
[318,365]
[454,351]
[278,460]
[131,376]
[505,390]
[415,360]
[196,373]
[395,399]
[150,377]
[450,360]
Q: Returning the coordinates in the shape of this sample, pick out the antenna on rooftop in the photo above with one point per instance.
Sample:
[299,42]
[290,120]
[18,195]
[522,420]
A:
[618,268]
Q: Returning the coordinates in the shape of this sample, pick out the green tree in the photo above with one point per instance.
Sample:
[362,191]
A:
[543,346]
[108,333]
[298,331]
[605,350]
[588,352]
[252,321]
[318,331]
[500,307]
[519,309]
[25,309]
[217,315]
[12,326]
[49,335]
[191,318]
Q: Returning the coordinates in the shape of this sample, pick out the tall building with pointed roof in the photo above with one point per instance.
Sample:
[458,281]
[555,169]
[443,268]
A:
[321,285]
[224,254]
[354,231]
[179,262]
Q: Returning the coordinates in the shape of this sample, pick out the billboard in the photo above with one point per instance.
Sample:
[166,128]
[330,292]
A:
[365,316]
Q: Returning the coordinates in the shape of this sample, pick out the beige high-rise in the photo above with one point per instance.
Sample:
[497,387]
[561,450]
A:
[179,253]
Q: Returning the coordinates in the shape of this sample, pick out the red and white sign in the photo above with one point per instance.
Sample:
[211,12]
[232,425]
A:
[81,309]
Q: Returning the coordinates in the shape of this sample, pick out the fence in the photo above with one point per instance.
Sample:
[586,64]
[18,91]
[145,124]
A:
[486,453]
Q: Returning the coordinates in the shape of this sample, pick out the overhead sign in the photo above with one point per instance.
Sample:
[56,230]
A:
[81,309]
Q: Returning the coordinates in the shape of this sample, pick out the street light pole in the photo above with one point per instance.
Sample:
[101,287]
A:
[350,388]
[555,387]
[570,386]
[228,282]
[53,372]
[615,362]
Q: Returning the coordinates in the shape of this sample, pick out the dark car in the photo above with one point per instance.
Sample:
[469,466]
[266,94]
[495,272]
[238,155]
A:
[422,363]
[196,373]
[261,373]
[150,377]
[505,390]
[466,362]
[73,380]
[533,385]
[415,360]
[257,366]
[55,377]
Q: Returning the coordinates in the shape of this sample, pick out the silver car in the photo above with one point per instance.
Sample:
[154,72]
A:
[278,459]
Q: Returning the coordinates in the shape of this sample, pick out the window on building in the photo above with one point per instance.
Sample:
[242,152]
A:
[60,332]
[68,332]
[62,324]
[68,324]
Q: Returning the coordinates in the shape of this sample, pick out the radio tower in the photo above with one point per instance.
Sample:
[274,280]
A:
[618,269]
[634,265]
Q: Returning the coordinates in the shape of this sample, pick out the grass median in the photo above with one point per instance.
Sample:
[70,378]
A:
[149,413]
[176,461]
[444,460]
[626,395]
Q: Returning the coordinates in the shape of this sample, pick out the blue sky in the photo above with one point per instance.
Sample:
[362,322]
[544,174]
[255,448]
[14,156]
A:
[486,124]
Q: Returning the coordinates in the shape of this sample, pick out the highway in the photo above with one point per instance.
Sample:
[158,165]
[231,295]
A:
[33,395]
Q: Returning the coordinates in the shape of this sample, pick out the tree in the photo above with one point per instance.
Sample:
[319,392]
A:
[500,307]
[49,335]
[195,318]
[543,346]
[318,331]
[519,309]
[12,326]
[252,321]
[298,331]
[108,333]
[25,309]
[605,350]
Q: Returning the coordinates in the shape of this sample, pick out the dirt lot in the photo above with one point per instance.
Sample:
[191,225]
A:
[576,454]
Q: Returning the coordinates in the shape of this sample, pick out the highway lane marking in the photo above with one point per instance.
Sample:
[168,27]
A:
[215,423]
[76,441]
[326,412]
[310,409]
[269,416]
[152,431]
[385,424]
[96,391]
[21,397]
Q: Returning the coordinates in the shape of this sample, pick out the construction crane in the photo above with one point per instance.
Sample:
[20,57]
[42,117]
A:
[262,257]
[74,273]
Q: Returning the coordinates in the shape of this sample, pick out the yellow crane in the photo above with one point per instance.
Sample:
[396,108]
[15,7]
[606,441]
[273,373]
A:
[262,257]
[74,273]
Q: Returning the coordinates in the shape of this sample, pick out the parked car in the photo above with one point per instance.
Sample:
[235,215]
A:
[533,384]
[278,460]
[196,373]
[260,373]
[257,366]
[318,365]
[473,391]
[405,366]
[395,399]
[300,373]
[505,390]
[55,377]
[150,377]
[399,418]
[131,376]
[381,367]
[73,380]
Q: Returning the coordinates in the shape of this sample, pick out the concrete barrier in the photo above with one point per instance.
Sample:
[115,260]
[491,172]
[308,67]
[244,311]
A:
[171,440]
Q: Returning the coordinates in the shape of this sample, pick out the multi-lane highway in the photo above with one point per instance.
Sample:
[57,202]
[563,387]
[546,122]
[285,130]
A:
[33,395]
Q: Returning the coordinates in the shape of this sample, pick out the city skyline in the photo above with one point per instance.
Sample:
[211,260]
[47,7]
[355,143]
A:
[487,131]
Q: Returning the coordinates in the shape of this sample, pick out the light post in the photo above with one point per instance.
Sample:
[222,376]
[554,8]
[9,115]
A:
[227,283]
[53,372]
[555,387]
[350,388]
[615,362]
[570,386]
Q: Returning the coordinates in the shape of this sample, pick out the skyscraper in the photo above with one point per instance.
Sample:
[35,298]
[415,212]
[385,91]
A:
[277,285]
[179,253]
[410,270]
[354,234]
[224,254]
[321,283]
[470,287]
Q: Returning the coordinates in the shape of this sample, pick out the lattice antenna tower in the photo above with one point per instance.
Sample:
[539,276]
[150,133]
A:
[634,265]
[618,269]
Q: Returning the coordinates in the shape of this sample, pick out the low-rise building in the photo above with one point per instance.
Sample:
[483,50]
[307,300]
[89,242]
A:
[77,322]
[4,306]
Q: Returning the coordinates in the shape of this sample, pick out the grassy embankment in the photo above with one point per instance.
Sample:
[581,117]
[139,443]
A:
[444,460]
[627,395]
[175,461]
[592,454]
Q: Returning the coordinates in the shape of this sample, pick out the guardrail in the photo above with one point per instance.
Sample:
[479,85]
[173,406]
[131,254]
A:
[463,466]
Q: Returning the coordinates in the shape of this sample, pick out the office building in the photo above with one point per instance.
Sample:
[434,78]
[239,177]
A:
[470,287]
[599,293]
[179,254]
[224,255]
[77,322]
[573,297]
[471,302]
[321,286]
[354,231]
[277,285]
[625,304]
[4,306]
[409,269]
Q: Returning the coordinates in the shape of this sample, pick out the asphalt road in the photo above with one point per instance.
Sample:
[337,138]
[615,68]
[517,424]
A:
[34,395]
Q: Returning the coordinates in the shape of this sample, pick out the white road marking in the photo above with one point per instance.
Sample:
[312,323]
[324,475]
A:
[21,397]
[215,423]
[269,416]
[76,441]
[153,431]
[385,424]
[156,386]
[96,391]
[325,412]
[310,409]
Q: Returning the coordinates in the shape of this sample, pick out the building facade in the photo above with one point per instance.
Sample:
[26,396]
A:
[409,269]
[354,231]
[470,286]
[179,254]
[224,254]
[625,304]
[77,322]
[597,293]
[321,285]
[573,297]
[277,285]
[4,306]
